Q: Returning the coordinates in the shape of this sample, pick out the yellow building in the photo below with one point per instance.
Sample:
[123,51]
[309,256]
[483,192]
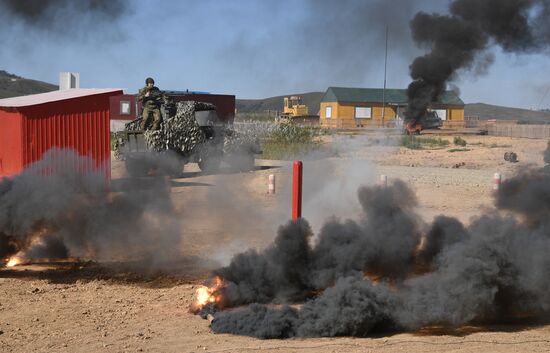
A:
[343,107]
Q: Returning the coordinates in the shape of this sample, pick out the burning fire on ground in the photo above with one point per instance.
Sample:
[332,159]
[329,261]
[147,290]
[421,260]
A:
[36,247]
[205,295]
[14,261]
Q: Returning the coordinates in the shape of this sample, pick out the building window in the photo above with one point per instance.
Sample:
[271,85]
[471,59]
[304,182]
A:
[363,112]
[124,108]
[328,112]
[441,113]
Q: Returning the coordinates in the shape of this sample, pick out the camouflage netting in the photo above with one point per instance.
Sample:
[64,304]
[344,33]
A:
[179,133]
[182,134]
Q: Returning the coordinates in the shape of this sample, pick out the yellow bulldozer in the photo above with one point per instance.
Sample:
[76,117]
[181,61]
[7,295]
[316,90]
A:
[293,107]
[294,110]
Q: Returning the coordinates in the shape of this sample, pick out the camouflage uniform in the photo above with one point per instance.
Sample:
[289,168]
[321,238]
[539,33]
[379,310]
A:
[151,105]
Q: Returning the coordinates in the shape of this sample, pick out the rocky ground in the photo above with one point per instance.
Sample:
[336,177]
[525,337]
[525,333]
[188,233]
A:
[138,307]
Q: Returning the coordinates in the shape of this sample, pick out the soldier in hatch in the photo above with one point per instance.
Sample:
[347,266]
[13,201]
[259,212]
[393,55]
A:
[151,98]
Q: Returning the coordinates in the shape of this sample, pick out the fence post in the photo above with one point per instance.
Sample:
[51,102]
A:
[497,179]
[383,180]
[297,173]
[271,184]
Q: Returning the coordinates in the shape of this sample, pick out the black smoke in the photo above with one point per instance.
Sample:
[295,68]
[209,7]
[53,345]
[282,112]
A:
[64,18]
[390,271]
[44,12]
[332,37]
[53,211]
[290,270]
[461,40]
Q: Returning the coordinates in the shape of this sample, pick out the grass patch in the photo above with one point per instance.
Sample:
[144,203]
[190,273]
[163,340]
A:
[289,141]
[411,142]
[492,145]
[417,143]
[459,150]
[496,145]
[459,141]
[287,151]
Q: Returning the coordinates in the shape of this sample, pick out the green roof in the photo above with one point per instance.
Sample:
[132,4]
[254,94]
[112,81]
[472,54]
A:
[374,95]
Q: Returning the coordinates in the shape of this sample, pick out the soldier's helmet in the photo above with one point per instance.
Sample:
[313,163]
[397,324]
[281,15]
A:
[149,80]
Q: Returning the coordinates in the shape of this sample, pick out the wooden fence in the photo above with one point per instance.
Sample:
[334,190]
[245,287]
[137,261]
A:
[510,128]
[519,130]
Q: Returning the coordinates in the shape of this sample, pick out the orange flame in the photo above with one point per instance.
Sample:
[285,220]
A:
[205,295]
[14,261]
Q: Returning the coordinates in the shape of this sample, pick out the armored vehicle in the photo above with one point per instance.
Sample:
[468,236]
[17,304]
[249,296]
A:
[190,131]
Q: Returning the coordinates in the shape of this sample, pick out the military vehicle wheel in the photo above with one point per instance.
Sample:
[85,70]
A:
[171,166]
[137,167]
[210,164]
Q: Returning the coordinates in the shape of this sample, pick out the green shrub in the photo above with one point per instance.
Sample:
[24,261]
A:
[288,141]
[459,141]
[416,143]
[495,145]
[292,133]
[433,142]
[286,151]
[410,142]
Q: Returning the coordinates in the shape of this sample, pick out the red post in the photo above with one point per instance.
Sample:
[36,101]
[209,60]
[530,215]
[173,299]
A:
[297,190]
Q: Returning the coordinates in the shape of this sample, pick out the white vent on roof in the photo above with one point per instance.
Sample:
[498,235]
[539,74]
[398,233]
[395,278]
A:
[68,80]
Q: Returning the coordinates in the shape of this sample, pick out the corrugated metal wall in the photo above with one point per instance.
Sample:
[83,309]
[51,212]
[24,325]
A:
[11,154]
[79,124]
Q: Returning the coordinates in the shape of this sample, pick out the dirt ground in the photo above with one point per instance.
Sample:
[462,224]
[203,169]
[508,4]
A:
[121,307]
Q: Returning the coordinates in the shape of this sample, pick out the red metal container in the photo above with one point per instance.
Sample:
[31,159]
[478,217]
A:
[74,120]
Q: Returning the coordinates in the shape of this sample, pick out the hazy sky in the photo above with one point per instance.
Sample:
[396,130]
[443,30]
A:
[250,48]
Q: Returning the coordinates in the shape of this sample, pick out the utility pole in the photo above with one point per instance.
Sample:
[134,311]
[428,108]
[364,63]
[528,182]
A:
[385,72]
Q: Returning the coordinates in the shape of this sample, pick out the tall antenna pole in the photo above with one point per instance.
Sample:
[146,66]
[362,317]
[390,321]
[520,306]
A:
[385,72]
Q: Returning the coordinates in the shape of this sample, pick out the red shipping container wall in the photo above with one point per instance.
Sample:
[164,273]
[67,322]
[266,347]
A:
[80,123]
[11,139]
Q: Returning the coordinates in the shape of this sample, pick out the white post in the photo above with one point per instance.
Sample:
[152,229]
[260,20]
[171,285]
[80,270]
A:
[497,179]
[271,184]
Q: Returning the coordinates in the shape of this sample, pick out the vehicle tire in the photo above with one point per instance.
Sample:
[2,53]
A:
[137,167]
[171,166]
[210,164]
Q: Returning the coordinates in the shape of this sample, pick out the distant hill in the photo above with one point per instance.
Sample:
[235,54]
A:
[311,99]
[487,111]
[13,86]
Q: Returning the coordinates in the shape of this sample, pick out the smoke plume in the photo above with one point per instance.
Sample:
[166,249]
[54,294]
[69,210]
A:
[391,271]
[329,37]
[460,40]
[67,214]
[43,14]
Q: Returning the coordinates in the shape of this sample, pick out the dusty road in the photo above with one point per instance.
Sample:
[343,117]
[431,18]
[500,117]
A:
[129,307]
